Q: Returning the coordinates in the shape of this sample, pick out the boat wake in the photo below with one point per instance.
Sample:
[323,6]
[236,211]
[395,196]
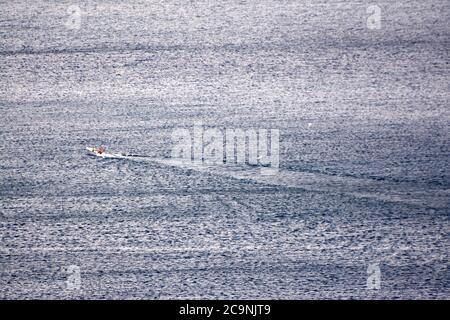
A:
[363,188]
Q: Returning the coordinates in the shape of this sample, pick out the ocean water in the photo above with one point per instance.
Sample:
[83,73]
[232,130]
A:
[363,181]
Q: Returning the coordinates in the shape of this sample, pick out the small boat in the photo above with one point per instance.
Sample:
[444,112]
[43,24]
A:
[100,152]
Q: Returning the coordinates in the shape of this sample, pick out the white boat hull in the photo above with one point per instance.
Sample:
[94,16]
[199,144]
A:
[94,152]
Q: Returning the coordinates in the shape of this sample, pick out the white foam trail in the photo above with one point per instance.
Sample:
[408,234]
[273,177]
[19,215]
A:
[387,191]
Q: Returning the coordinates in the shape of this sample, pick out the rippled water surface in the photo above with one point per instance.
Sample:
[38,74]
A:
[364,129]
